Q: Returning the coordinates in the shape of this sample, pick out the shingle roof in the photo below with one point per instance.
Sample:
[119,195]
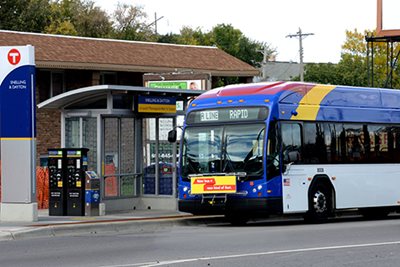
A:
[57,51]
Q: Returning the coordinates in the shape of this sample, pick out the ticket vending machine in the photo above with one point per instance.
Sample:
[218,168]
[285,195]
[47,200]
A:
[92,194]
[57,205]
[75,167]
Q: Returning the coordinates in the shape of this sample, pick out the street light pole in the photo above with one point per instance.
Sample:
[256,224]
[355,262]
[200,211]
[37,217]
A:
[301,36]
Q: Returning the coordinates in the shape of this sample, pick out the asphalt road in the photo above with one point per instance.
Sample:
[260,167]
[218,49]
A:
[289,242]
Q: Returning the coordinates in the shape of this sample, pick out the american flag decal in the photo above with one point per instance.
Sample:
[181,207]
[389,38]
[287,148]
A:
[286,181]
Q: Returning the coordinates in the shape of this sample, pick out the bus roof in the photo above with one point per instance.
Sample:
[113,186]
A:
[308,101]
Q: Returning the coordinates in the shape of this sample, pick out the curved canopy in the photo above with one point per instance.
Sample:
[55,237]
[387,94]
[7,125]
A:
[87,93]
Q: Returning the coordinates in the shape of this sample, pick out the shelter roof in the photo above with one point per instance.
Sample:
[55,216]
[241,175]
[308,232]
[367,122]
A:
[93,92]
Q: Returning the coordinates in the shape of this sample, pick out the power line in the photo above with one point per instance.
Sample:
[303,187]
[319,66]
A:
[301,36]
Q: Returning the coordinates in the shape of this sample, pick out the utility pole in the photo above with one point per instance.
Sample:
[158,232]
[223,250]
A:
[301,36]
[155,22]
[266,54]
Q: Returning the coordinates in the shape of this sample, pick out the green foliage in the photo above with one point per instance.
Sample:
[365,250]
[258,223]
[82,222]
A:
[170,38]
[26,15]
[130,24]
[225,37]
[75,17]
[92,21]
[352,68]
[232,41]
[325,73]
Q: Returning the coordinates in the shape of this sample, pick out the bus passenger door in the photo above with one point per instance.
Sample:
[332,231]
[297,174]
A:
[294,177]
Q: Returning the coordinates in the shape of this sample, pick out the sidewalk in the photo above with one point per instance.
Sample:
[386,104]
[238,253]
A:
[133,221]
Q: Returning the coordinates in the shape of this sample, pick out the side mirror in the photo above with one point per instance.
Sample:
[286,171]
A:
[172,136]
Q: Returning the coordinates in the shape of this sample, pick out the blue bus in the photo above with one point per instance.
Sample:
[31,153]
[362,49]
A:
[290,148]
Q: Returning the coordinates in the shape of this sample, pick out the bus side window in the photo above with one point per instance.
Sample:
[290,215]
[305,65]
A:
[291,143]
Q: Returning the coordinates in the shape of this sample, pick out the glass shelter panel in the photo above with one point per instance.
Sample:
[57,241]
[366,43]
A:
[149,153]
[119,157]
[127,157]
[111,163]
[158,157]
[72,132]
[165,154]
[89,140]
[82,132]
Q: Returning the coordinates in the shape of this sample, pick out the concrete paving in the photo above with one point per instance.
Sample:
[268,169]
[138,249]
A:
[133,221]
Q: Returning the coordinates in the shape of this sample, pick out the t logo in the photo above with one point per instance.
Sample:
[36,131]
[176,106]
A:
[14,56]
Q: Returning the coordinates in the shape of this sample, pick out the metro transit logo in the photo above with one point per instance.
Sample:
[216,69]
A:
[14,56]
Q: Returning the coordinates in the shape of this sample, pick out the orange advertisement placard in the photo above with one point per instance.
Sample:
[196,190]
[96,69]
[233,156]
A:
[213,184]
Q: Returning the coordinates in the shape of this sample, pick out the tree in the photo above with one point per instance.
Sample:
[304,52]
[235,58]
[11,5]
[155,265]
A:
[75,17]
[325,73]
[24,15]
[191,36]
[235,43]
[92,21]
[130,24]
[353,63]
[225,37]
[352,68]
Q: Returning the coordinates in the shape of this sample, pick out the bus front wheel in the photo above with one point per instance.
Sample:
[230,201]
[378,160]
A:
[320,204]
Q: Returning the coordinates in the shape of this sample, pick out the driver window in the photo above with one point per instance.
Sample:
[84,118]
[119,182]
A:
[291,142]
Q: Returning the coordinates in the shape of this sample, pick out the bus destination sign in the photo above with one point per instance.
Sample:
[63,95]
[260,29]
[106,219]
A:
[228,114]
[209,115]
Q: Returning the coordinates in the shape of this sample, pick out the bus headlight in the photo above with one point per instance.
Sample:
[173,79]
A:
[185,189]
[259,187]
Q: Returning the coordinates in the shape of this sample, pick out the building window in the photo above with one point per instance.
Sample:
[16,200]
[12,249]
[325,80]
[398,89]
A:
[108,78]
[57,83]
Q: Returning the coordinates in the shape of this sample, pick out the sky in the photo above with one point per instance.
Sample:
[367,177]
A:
[271,21]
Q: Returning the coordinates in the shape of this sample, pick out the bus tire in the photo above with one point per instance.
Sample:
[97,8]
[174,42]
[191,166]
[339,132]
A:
[320,204]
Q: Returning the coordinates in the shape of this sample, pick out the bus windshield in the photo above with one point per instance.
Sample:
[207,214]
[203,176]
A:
[223,149]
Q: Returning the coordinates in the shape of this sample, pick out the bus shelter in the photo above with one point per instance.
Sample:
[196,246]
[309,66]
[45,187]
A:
[125,129]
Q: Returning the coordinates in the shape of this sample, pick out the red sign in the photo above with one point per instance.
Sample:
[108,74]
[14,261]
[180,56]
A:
[204,181]
[14,56]
[219,187]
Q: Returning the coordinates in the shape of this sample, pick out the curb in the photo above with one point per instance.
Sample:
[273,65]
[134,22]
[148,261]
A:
[119,226]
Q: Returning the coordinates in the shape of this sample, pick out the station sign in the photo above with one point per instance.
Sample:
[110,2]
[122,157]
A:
[156,104]
[18,132]
[17,92]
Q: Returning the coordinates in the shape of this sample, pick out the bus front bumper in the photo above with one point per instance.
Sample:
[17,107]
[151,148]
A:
[247,206]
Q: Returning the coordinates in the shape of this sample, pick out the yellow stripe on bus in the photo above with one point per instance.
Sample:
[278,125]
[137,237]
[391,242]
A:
[309,105]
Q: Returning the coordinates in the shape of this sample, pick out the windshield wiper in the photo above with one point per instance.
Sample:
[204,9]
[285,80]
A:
[227,159]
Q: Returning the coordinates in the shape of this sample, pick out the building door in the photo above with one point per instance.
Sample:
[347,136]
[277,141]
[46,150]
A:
[159,157]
